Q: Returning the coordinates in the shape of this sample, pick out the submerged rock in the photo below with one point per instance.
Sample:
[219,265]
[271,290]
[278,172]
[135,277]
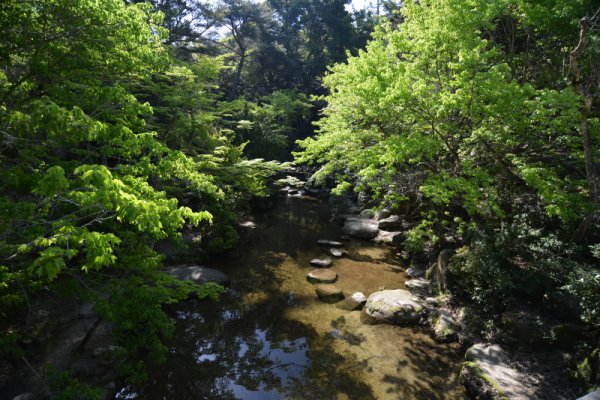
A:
[353,303]
[329,293]
[322,276]
[394,307]
[330,243]
[321,262]
[487,374]
[361,228]
[198,274]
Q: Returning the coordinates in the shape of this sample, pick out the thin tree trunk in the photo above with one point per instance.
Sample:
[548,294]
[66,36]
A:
[236,78]
[588,148]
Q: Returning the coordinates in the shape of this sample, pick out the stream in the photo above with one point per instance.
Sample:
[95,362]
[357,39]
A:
[269,337]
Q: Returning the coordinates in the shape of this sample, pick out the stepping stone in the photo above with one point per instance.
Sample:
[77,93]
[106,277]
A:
[197,274]
[322,276]
[336,252]
[329,293]
[355,302]
[330,243]
[321,262]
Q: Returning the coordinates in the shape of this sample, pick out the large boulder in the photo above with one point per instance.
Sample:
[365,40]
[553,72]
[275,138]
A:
[381,214]
[322,276]
[398,307]
[198,274]
[329,293]
[361,228]
[487,374]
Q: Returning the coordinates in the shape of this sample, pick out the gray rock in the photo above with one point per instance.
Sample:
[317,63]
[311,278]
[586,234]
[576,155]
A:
[414,273]
[329,243]
[86,311]
[27,396]
[247,225]
[321,262]
[391,223]
[329,293]
[322,276]
[591,396]
[359,297]
[361,228]
[336,252]
[487,371]
[389,238]
[198,274]
[432,301]
[394,307]
[381,214]
[419,286]
[368,213]
[445,327]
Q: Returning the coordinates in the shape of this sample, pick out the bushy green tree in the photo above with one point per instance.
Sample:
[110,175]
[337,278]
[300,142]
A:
[446,111]
[99,128]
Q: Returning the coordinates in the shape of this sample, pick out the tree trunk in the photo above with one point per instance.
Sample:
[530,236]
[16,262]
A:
[236,78]
[588,148]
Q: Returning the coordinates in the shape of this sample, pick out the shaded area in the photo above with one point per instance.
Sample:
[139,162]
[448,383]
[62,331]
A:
[270,338]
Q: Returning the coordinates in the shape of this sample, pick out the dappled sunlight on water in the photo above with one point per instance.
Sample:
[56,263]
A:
[271,338]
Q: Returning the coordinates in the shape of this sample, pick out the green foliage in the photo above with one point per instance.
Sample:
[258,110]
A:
[482,273]
[585,284]
[269,129]
[588,371]
[64,387]
[104,137]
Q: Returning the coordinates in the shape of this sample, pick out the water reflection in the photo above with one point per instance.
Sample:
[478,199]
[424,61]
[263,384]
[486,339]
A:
[270,338]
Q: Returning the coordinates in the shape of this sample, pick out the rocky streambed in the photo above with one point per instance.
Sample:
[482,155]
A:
[291,326]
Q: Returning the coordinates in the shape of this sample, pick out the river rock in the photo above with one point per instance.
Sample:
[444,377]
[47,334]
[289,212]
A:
[382,214]
[367,213]
[391,223]
[414,273]
[321,262]
[445,327]
[329,293]
[336,252]
[361,228]
[394,306]
[329,243]
[419,286]
[487,374]
[198,274]
[353,303]
[389,238]
[247,225]
[321,276]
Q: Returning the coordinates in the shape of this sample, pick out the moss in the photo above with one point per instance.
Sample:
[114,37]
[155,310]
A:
[477,373]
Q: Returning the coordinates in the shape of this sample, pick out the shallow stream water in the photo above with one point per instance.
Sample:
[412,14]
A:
[269,337]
